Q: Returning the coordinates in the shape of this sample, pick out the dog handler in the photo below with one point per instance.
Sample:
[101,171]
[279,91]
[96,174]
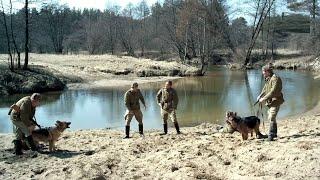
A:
[272,95]
[22,120]
[131,100]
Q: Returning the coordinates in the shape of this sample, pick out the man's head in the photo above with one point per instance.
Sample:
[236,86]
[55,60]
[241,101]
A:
[267,70]
[134,86]
[35,99]
[168,85]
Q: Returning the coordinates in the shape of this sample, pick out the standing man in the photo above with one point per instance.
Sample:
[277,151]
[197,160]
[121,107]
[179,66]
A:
[272,95]
[168,100]
[131,100]
[21,115]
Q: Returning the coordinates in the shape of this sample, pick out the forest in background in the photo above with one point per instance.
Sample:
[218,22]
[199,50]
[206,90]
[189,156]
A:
[191,30]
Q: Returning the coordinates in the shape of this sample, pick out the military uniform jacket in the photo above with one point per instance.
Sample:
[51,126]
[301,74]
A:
[131,99]
[26,113]
[272,91]
[168,98]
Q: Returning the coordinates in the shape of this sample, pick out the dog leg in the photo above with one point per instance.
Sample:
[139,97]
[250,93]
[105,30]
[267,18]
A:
[54,145]
[51,146]
[244,136]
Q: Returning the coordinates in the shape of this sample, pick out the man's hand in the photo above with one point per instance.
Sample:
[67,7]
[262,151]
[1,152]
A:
[258,98]
[130,112]
[261,100]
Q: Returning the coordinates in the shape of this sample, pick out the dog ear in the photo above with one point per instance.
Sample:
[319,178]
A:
[228,113]
[58,122]
[235,114]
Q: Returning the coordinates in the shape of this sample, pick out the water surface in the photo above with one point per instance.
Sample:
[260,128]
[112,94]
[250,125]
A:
[202,99]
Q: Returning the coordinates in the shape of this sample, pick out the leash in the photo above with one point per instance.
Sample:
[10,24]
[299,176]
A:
[260,111]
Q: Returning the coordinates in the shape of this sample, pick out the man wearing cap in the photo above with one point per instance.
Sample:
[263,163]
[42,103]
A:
[131,100]
[272,96]
[168,100]
[21,115]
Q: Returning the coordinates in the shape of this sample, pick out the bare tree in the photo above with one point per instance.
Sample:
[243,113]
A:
[11,63]
[262,12]
[13,36]
[26,46]
[143,11]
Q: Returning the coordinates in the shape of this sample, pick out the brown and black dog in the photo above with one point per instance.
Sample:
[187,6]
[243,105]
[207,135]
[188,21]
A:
[244,125]
[51,134]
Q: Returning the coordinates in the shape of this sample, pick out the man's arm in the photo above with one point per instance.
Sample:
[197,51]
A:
[142,99]
[159,94]
[276,84]
[127,101]
[25,113]
[175,99]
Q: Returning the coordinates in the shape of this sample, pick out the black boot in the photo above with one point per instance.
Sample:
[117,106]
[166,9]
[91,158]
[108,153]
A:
[18,147]
[272,131]
[127,132]
[31,143]
[261,136]
[176,125]
[165,129]
[276,131]
[141,129]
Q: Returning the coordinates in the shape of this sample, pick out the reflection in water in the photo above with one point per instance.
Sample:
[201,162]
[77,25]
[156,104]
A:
[202,99]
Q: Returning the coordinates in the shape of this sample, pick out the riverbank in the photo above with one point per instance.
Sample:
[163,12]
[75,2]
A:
[286,60]
[98,71]
[28,81]
[201,152]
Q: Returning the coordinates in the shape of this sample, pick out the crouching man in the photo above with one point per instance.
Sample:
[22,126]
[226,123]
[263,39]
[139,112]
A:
[21,115]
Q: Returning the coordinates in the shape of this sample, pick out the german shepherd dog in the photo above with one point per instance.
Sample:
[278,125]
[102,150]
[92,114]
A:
[50,135]
[244,125]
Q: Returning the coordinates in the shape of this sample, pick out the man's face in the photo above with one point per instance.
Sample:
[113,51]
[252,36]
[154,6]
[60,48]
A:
[35,103]
[167,85]
[135,88]
[265,73]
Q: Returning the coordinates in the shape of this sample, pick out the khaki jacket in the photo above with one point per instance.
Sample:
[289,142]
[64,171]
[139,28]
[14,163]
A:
[131,99]
[168,98]
[272,91]
[26,113]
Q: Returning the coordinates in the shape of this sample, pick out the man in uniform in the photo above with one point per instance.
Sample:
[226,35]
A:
[168,100]
[272,95]
[21,115]
[131,100]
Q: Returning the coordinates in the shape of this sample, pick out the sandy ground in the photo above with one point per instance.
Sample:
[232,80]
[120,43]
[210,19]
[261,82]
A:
[98,71]
[199,153]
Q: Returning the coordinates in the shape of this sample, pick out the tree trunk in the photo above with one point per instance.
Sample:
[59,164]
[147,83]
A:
[11,65]
[12,36]
[257,30]
[26,46]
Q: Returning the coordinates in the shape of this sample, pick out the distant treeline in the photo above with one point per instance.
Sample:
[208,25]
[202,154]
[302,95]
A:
[188,28]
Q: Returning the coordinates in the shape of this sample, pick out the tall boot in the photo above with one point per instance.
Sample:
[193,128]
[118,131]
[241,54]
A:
[141,129]
[127,132]
[272,131]
[276,131]
[259,135]
[31,143]
[176,125]
[18,147]
[165,129]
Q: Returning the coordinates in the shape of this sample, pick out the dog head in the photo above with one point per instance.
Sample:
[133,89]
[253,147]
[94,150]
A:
[62,125]
[232,119]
